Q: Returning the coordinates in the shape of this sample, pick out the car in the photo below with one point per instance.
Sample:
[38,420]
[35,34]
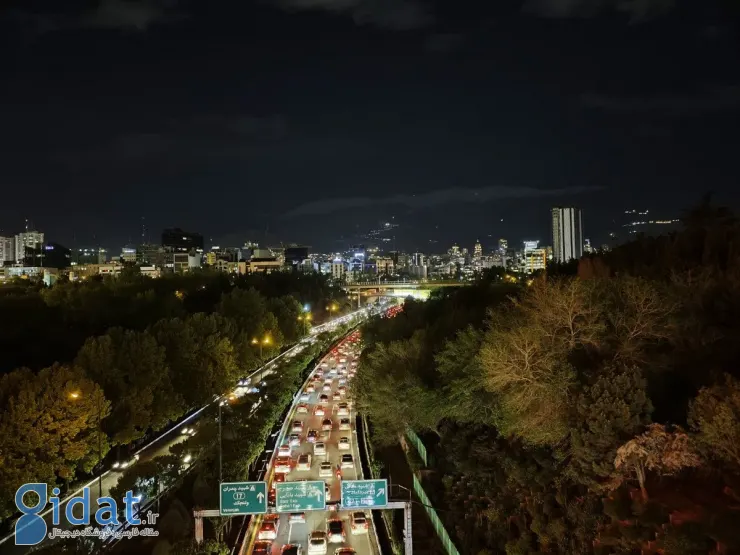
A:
[294,440]
[319,448]
[269,529]
[326,424]
[345,551]
[304,462]
[311,436]
[310,388]
[297,518]
[262,547]
[277,478]
[324,398]
[328,381]
[342,361]
[319,411]
[285,450]
[343,409]
[302,408]
[344,444]
[326,470]
[353,363]
[283,465]
[291,549]
[335,530]
[305,397]
[358,523]
[124,462]
[337,396]
[326,389]
[317,544]
[271,496]
[345,424]
[347,461]
[342,381]
[297,427]
[342,390]
[188,431]
[325,365]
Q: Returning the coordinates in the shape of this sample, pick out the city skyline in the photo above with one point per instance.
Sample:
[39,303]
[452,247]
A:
[235,121]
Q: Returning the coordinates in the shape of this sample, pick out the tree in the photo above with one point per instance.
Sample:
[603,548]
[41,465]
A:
[132,369]
[657,449]
[532,382]
[715,417]
[200,356]
[148,478]
[607,414]
[466,398]
[49,427]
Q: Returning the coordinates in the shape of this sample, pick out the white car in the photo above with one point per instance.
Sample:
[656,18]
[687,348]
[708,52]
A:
[326,470]
[344,444]
[342,409]
[304,462]
[345,424]
[305,397]
[125,462]
[294,440]
[326,388]
[302,409]
[319,448]
[347,461]
[284,451]
[358,523]
[319,411]
[297,427]
[317,544]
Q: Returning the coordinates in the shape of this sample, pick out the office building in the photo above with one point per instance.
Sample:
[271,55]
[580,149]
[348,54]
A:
[384,265]
[7,250]
[477,250]
[27,239]
[503,246]
[338,270]
[178,240]
[535,257]
[128,255]
[567,233]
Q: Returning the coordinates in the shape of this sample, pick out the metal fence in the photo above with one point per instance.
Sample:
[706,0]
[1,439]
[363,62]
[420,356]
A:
[444,537]
[416,441]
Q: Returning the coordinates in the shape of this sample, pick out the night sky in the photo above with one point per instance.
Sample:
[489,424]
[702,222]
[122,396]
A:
[311,120]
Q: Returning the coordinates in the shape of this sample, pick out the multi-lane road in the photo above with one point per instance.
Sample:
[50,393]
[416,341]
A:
[161,445]
[322,428]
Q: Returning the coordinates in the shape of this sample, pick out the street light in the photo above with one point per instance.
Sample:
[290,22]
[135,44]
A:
[74,395]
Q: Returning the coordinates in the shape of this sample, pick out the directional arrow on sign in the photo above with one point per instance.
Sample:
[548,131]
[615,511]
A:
[380,493]
[260,497]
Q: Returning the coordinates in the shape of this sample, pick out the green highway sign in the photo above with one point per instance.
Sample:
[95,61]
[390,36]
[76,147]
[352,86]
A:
[364,493]
[291,497]
[243,498]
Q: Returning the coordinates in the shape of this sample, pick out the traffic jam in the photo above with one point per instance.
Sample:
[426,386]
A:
[319,447]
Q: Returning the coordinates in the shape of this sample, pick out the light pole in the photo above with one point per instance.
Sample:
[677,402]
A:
[333,307]
[265,341]
[98,405]
[305,318]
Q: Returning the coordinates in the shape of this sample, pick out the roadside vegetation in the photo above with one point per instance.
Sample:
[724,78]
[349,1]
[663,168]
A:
[107,363]
[592,413]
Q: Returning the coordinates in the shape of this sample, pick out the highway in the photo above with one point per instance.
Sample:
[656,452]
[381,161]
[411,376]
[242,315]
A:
[161,445]
[331,372]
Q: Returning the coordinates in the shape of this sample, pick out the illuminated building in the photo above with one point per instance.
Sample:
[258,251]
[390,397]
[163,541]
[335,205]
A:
[567,233]
[477,250]
[128,255]
[27,239]
[535,257]
[384,265]
[338,269]
[7,250]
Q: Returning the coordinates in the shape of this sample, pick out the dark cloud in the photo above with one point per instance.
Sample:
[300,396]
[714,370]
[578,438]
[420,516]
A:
[638,10]
[710,100]
[397,15]
[120,15]
[432,199]
[445,42]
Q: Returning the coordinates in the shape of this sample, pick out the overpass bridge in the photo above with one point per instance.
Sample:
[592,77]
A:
[406,284]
